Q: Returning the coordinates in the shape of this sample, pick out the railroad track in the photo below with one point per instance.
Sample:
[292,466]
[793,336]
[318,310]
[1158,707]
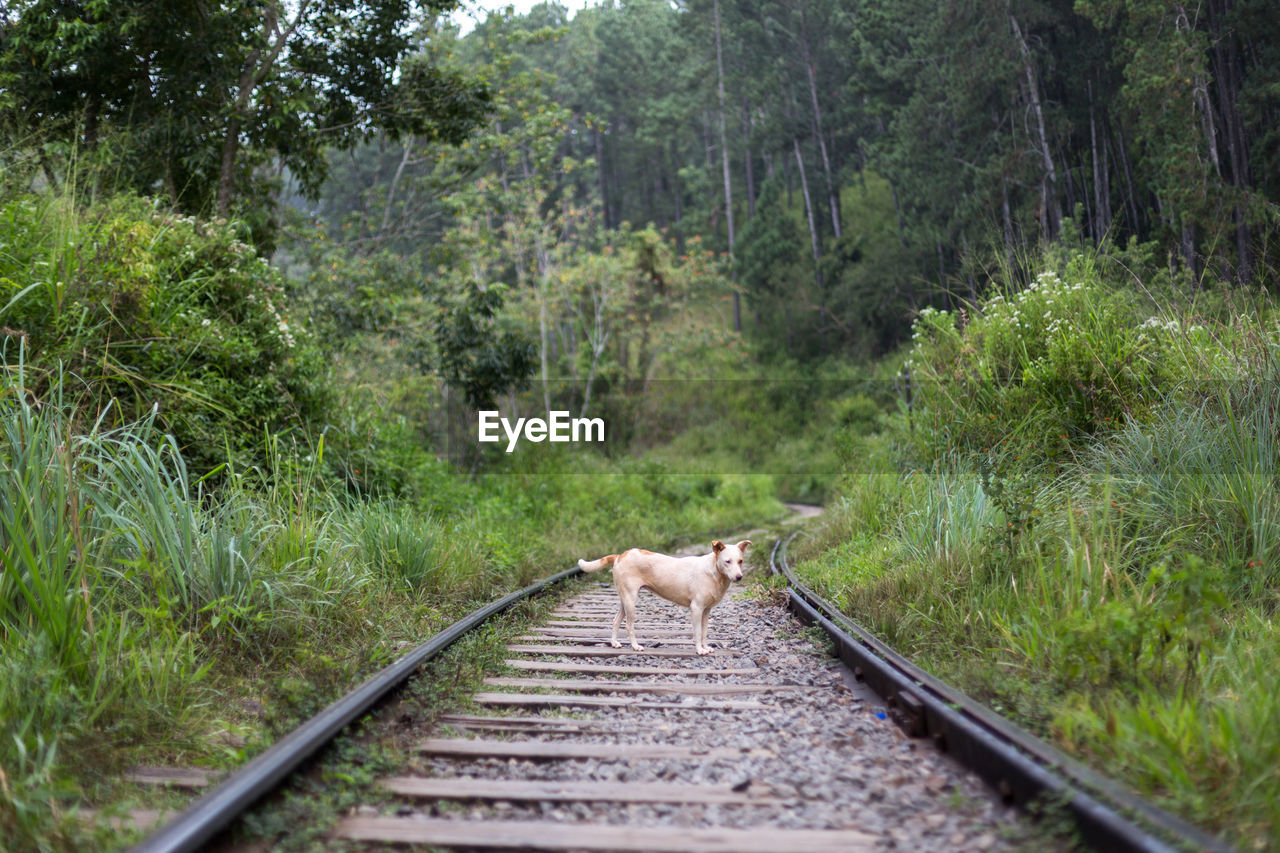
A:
[758,747]
[767,745]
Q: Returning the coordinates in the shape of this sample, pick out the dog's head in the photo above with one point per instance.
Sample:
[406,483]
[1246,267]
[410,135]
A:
[729,558]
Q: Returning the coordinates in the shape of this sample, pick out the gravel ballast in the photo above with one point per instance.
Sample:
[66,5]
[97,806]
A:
[823,754]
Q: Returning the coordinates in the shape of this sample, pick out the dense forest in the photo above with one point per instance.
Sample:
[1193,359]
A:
[852,161]
[994,280]
[856,161]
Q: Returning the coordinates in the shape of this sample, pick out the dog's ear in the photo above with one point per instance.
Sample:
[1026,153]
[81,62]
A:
[717,546]
[744,544]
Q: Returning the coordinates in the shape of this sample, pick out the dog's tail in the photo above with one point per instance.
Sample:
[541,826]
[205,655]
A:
[597,565]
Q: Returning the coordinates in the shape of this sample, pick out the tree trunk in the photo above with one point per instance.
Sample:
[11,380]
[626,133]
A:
[601,177]
[1108,215]
[968,272]
[942,277]
[1008,228]
[808,209]
[1099,223]
[675,194]
[544,279]
[1050,220]
[615,183]
[651,188]
[598,340]
[1189,250]
[832,192]
[226,172]
[1228,76]
[92,110]
[897,212]
[1200,95]
[395,181]
[170,183]
[1068,183]
[255,71]
[46,166]
[746,145]
[1132,194]
[724,160]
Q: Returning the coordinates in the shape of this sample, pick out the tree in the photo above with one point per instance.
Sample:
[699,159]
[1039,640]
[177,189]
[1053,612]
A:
[477,355]
[211,101]
[1191,73]
[769,258]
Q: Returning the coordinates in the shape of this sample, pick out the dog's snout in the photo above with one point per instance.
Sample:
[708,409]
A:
[738,576]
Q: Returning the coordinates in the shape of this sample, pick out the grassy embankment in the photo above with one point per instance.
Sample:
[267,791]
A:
[1078,521]
[159,607]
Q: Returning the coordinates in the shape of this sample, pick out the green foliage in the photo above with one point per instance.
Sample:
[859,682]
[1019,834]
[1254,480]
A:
[782,419]
[137,611]
[156,311]
[71,666]
[346,293]
[1043,371]
[1200,479]
[229,88]
[476,356]
[770,246]
[950,521]
[1091,542]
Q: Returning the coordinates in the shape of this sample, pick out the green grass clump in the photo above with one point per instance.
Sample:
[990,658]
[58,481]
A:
[1080,524]
[788,421]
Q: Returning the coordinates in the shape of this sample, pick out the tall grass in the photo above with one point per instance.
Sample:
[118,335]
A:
[950,518]
[1194,481]
[43,525]
[138,609]
[1095,546]
[72,663]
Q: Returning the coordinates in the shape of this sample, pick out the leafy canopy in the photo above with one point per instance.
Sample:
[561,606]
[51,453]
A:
[194,98]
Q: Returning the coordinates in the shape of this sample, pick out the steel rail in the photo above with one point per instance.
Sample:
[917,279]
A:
[1024,769]
[215,811]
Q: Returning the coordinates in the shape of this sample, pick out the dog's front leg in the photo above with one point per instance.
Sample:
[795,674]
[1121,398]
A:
[699,615]
[706,622]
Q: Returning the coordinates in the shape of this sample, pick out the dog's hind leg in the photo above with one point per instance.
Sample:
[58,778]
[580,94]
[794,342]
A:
[628,603]
[617,620]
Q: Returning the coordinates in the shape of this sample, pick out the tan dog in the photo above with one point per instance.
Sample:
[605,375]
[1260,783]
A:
[697,583]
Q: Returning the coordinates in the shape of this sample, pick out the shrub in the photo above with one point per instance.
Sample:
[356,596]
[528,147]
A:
[161,313]
[1039,372]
